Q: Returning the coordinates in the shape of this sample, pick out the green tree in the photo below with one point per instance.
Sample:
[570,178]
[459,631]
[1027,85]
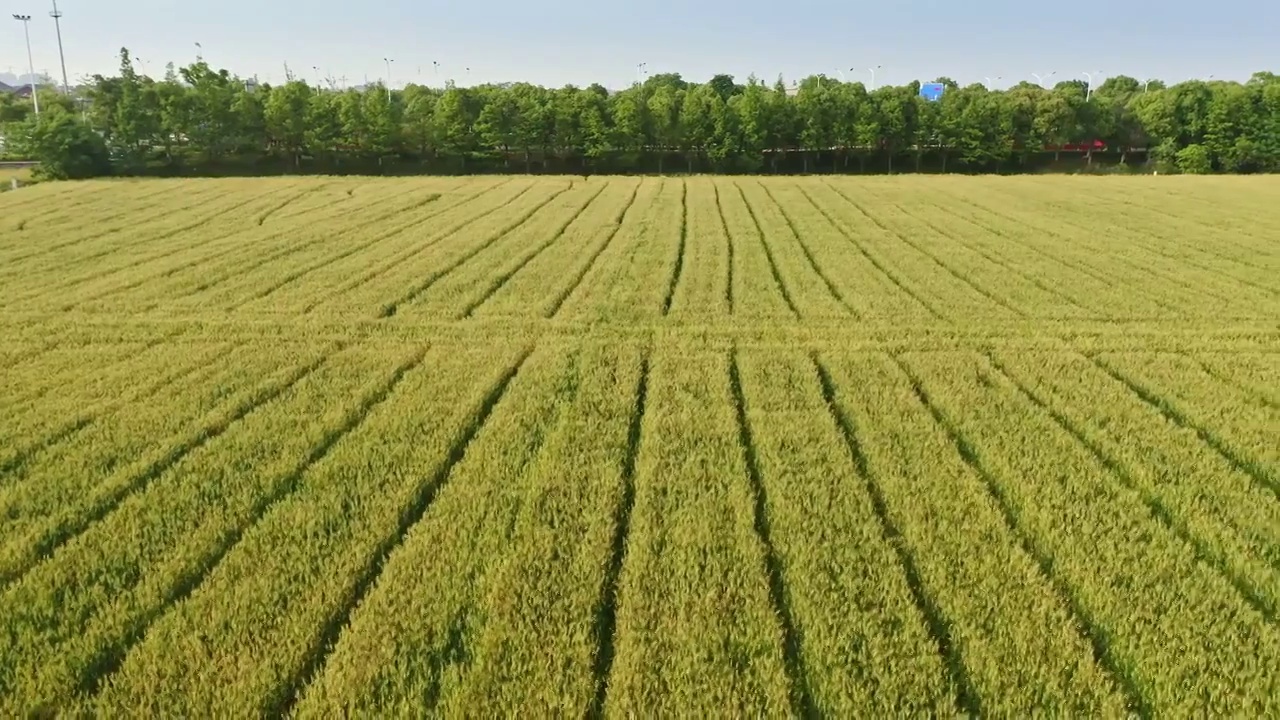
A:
[417,123]
[724,87]
[286,115]
[699,116]
[630,115]
[535,121]
[664,113]
[495,126]
[64,146]
[1194,160]
[751,109]
[324,134]
[454,119]
[380,114]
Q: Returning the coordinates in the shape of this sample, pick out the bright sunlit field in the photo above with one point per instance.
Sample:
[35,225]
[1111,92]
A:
[641,447]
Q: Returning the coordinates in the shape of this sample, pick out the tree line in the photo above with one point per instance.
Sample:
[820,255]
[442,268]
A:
[197,119]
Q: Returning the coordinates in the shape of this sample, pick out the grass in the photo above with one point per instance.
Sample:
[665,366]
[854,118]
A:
[634,446]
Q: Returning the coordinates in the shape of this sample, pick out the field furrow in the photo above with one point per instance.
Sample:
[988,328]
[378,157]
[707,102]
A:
[662,445]
[1106,552]
[152,547]
[968,555]
[313,554]
[679,647]
[426,611]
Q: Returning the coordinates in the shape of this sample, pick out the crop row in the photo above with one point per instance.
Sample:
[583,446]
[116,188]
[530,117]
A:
[597,527]
[624,250]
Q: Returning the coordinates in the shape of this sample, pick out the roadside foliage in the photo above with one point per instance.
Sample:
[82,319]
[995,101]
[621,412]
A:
[641,446]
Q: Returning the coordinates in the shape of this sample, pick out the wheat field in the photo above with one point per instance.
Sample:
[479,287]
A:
[700,446]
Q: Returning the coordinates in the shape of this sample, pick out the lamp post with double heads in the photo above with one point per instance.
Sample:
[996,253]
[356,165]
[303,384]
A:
[31,63]
[1040,79]
[873,75]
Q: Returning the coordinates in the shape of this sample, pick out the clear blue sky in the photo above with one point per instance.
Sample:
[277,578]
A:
[554,42]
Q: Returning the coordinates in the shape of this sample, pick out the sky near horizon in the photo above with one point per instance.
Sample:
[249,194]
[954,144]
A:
[556,42]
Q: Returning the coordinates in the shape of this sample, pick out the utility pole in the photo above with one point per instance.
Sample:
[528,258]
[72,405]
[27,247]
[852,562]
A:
[31,64]
[57,25]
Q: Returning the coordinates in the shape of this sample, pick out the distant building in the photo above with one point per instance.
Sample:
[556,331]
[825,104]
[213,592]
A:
[22,91]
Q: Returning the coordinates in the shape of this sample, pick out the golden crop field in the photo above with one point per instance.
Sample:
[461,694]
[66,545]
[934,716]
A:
[500,446]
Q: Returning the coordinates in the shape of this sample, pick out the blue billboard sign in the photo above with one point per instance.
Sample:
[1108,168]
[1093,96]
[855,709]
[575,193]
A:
[932,91]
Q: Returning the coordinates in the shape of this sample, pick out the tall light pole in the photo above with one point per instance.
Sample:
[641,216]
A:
[640,68]
[436,65]
[199,52]
[841,74]
[998,77]
[319,85]
[1040,79]
[1088,89]
[873,75]
[31,64]
[57,26]
[388,61]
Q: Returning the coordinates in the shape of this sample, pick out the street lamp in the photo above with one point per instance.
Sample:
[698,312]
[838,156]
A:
[1040,79]
[57,24]
[640,70]
[388,61]
[1088,89]
[998,77]
[199,52]
[31,64]
[873,75]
